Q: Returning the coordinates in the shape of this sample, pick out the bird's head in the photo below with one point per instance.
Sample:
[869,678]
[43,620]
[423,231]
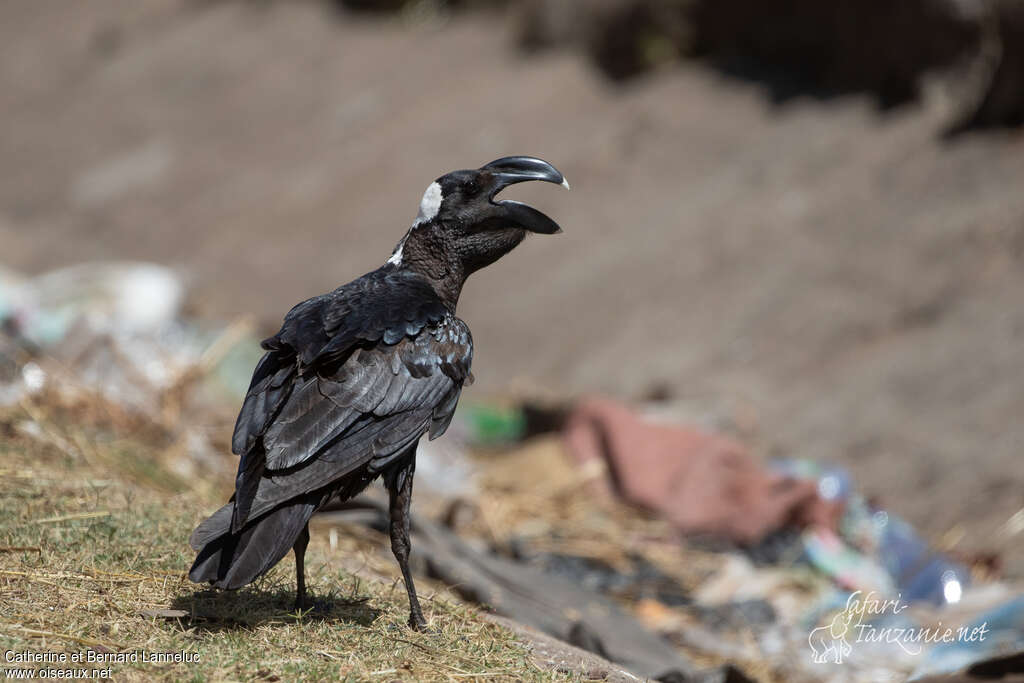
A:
[463,226]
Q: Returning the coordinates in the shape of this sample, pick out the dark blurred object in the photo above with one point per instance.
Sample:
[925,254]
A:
[805,47]
[642,35]
[624,37]
[543,418]
[373,5]
[702,483]
[1002,92]
[386,6]
[497,425]
[644,580]
[782,547]
[825,48]
[794,46]
[999,667]
[735,616]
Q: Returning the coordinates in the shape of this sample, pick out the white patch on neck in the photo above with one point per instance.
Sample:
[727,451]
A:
[396,258]
[430,204]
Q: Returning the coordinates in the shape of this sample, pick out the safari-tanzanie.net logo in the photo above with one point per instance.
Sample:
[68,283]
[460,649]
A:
[863,621]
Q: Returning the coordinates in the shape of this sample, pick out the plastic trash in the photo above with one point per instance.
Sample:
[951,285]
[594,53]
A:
[119,298]
[874,549]
[492,425]
[848,567]
[834,483]
[920,574]
[989,637]
[114,329]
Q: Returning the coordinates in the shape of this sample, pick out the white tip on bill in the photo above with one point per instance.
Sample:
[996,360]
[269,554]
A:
[565,183]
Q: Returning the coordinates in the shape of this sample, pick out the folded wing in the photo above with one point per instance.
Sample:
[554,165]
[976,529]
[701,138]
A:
[352,380]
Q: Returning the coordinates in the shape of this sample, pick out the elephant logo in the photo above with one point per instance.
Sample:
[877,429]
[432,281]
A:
[829,643]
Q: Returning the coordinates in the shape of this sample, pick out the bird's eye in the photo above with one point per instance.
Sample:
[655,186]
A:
[471,187]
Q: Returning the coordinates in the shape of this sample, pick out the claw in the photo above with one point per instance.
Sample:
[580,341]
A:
[417,622]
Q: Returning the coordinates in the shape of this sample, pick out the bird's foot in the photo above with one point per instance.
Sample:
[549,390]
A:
[417,622]
[316,606]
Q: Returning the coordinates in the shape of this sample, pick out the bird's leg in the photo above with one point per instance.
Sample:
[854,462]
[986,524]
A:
[399,482]
[300,567]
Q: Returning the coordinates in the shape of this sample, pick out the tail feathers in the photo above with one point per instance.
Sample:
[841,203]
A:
[250,471]
[232,560]
[215,525]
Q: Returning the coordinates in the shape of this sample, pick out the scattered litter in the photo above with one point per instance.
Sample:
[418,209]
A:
[1000,650]
[110,336]
[113,298]
[623,573]
[849,568]
[33,376]
[443,466]
[113,329]
[873,549]
[164,613]
[791,591]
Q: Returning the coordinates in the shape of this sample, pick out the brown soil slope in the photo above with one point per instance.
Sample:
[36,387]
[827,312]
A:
[841,284]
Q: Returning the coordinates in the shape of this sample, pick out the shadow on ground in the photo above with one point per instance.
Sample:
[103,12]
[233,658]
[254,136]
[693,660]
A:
[214,610]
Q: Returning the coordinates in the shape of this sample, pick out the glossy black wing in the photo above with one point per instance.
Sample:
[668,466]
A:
[367,413]
[374,383]
[333,395]
[385,305]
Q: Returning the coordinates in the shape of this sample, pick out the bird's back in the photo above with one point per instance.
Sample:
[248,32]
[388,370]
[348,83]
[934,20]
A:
[352,377]
[347,386]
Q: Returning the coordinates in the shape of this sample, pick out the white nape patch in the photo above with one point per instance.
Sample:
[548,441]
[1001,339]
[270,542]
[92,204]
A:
[565,183]
[396,258]
[430,204]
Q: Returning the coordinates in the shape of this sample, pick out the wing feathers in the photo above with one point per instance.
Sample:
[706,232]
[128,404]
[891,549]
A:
[351,381]
[323,423]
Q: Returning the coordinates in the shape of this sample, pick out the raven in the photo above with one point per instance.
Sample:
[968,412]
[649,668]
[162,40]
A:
[355,377]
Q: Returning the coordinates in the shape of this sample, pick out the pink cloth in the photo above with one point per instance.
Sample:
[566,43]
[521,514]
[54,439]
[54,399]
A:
[701,482]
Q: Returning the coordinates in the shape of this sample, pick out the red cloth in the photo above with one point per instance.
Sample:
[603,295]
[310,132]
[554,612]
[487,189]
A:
[701,482]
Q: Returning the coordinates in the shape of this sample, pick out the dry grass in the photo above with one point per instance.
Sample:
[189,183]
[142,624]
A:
[93,533]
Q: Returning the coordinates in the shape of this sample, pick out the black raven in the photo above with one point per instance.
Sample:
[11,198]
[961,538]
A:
[355,377]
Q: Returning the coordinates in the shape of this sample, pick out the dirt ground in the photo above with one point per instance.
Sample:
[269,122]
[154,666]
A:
[834,283]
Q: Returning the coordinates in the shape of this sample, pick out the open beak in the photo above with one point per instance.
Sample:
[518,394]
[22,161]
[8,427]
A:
[510,170]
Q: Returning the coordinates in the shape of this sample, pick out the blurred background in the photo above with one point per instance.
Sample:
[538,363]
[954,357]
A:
[796,225]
